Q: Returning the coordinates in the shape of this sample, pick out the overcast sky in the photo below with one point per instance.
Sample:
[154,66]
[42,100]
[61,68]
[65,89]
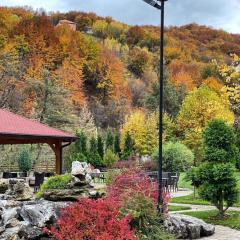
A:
[224,14]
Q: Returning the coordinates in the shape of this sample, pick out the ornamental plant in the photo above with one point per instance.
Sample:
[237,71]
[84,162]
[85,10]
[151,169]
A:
[24,160]
[110,158]
[93,220]
[133,181]
[218,183]
[144,218]
[176,157]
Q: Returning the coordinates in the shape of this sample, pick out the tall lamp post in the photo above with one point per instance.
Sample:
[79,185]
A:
[160,7]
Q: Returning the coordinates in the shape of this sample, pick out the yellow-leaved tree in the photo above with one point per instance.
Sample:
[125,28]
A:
[143,130]
[231,76]
[200,106]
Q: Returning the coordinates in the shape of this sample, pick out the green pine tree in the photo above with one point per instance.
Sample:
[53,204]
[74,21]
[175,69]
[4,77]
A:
[117,149]
[128,146]
[109,140]
[100,146]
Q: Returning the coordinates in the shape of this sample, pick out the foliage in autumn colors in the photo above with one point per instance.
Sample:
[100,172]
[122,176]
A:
[106,73]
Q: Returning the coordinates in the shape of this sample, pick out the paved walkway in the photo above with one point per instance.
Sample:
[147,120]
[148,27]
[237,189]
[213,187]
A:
[182,193]
[221,232]
[224,233]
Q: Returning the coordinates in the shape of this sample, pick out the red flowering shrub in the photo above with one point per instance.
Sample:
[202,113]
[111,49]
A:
[100,219]
[92,220]
[128,164]
[150,166]
[135,181]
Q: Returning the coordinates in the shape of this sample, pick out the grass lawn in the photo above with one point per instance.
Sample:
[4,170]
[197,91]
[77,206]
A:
[231,220]
[178,208]
[183,183]
[190,200]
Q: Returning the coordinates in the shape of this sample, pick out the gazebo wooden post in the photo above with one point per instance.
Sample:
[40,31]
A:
[57,148]
[59,158]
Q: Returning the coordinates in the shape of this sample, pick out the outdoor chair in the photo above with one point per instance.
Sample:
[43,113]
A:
[49,174]
[102,177]
[23,174]
[13,175]
[39,179]
[6,175]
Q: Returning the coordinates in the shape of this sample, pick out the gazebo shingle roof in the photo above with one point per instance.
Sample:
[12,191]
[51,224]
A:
[16,125]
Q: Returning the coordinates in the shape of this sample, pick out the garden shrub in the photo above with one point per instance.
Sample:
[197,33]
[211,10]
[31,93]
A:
[144,217]
[176,157]
[150,166]
[217,173]
[24,160]
[125,164]
[238,146]
[127,213]
[134,181]
[193,176]
[55,182]
[110,158]
[94,220]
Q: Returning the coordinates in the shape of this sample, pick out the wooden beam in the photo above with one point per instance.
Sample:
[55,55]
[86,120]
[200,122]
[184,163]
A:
[57,148]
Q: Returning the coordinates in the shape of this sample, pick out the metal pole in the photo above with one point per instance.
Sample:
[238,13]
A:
[161,85]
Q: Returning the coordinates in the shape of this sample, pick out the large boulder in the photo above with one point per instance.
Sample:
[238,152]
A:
[82,170]
[187,227]
[72,194]
[40,213]
[18,190]
[28,219]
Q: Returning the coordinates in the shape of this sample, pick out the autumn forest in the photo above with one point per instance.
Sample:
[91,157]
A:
[105,74]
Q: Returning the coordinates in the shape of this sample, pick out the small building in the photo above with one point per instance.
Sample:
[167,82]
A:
[15,129]
[70,24]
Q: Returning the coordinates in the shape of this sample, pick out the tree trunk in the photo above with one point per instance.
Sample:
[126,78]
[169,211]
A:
[221,210]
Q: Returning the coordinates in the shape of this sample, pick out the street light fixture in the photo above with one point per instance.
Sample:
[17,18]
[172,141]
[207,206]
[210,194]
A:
[155,4]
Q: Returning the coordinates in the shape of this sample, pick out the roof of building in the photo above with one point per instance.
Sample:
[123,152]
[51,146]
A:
[66,21]
[15,125]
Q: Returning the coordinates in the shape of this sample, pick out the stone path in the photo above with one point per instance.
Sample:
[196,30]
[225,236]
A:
[199,207]
[224,233]
[221,233]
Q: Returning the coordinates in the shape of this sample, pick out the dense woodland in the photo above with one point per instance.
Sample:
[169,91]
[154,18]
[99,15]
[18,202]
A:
[105,76]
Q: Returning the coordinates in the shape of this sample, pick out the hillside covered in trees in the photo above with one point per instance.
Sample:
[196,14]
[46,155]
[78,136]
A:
[94,77]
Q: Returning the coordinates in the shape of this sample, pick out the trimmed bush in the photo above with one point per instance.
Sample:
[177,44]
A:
[176,157]
[218,183]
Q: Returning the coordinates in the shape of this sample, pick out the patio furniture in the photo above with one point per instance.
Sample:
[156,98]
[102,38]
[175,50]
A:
[23,174]
[39,179]
[6,175]
[49,174]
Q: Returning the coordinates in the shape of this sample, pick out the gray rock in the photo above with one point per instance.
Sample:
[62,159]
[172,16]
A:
[9,214]
[30,232]
[187,227]
[18,190]
[42,213]
[11,223]
[10,234]
[66,194]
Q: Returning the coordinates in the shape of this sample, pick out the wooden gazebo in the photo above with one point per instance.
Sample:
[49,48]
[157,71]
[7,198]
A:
[15,129]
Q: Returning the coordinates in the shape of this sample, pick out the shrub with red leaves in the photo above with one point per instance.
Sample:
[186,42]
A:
[125,164]
[92,220]
[134,181]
